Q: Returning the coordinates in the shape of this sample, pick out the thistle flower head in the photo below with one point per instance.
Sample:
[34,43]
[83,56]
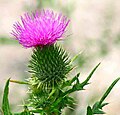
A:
[40,28]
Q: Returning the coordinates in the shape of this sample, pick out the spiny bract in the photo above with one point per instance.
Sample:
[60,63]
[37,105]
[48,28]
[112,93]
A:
[50,65]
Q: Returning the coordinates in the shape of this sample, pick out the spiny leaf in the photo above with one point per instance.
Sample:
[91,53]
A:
[98,111]
[79,86]
[103,104]
[89,111]
[108,91]
[90,75]
[69,82]
[5,102]
[97,107]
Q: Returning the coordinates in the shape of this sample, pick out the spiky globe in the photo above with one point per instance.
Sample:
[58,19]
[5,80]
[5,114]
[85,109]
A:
[50,65]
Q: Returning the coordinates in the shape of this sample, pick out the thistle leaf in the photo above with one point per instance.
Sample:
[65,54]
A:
[89,111]
[69,82]
[78,86]
[108,91]
[90,75]
[5,102]
[103,104]
[97,107]
[75,78]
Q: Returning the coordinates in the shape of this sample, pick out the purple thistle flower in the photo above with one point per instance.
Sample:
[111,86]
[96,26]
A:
[40,28]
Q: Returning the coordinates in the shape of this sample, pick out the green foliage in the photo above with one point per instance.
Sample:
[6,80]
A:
[49,88]
[89,111]
[59,97]
[97,107]
[5,103]
[5,40]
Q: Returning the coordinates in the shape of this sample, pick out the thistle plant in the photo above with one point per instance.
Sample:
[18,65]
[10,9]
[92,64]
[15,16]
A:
[49,66]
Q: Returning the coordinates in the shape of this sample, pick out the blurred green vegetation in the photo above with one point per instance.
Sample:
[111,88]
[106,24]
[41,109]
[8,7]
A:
[5,40]
[42,4]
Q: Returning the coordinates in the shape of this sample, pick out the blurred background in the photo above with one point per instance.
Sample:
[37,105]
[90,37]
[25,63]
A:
[94,31]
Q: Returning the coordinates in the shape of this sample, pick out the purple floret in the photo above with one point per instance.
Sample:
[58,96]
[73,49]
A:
[40,28]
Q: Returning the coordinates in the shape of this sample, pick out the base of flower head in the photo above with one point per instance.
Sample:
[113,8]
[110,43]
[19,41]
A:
[49,65]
